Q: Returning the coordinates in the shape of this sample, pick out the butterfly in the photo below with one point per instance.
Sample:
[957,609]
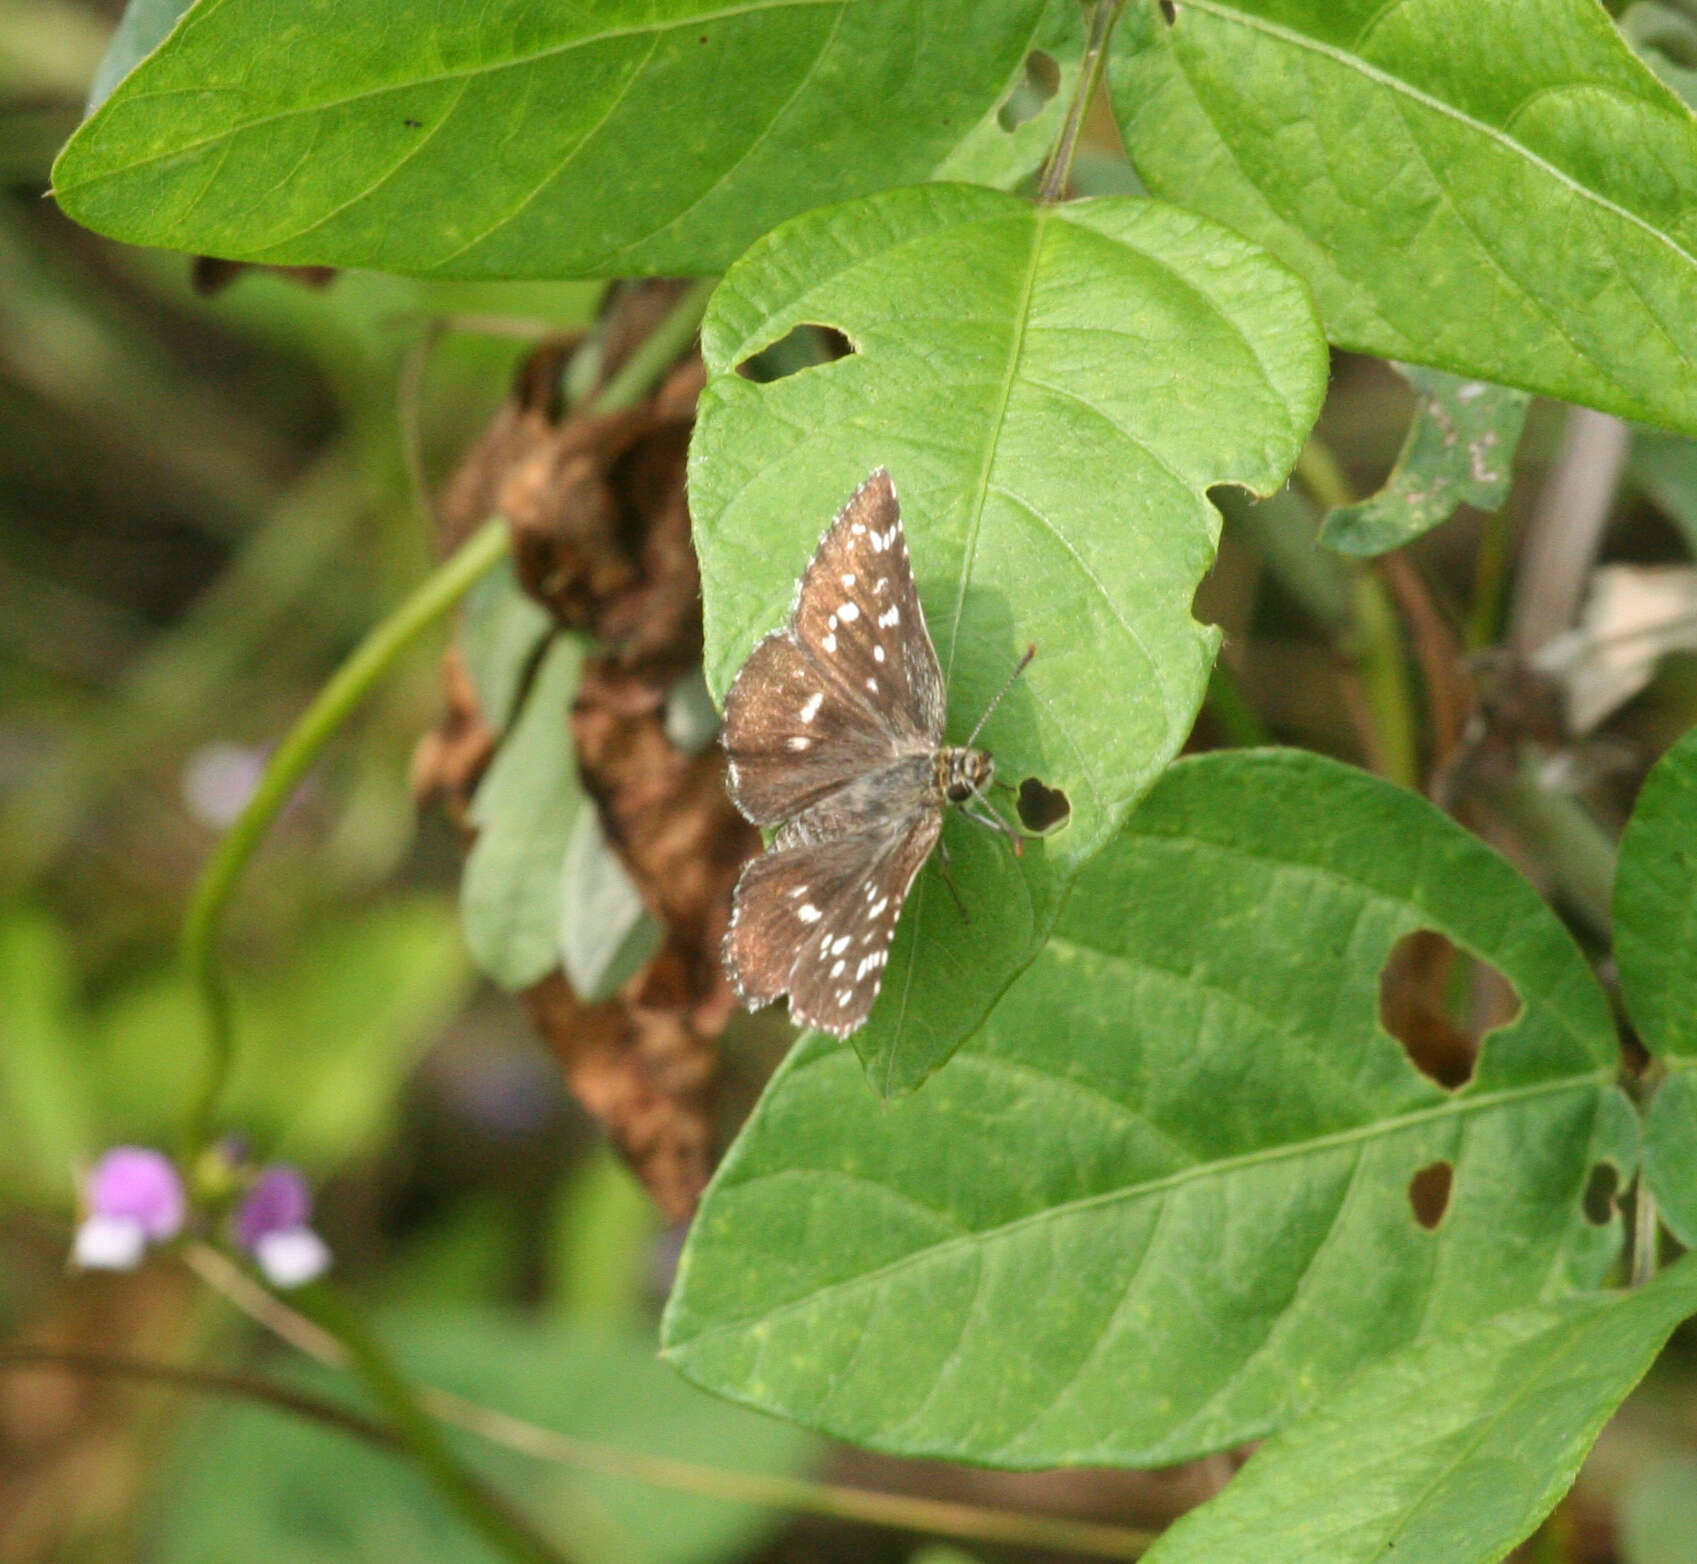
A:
[834,734]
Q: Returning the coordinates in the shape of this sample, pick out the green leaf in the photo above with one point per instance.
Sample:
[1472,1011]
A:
[1014,137]
[524,811]
[1459,450]
[606,933]
[1500,191]
[1053,391]
[1448,1453]
[1655,912]
[250,1484]
[501,632]
[521,140]
[1160,1202]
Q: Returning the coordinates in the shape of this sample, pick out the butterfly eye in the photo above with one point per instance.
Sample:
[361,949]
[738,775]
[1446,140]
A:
[959,791]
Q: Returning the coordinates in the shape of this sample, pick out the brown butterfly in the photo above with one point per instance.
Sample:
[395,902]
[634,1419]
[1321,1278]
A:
[834,730]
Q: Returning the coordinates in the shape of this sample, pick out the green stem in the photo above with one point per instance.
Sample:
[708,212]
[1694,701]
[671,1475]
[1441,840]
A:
[656,353]
[293,758]
[1646,1233]
[962,1522]
[1379,651]
[1564,836]
[373,659]
[1384,677]
[1052,184]
[482,1509]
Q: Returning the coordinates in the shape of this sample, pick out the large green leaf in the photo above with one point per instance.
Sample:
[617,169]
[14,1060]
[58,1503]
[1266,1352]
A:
[249,1484]
[1161,1200]
[524,811]
[1499,189]
[1459,450]
[1656,946]
[1448,1453]
[511,138]
[1053,391]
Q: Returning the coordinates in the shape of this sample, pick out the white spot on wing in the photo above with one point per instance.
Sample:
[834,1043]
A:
[809,913]
[892,617]
[850,613]
[849,579]
[810,707]
[829,642]
[878,654]
[840,946]
[799,741]
[837,967]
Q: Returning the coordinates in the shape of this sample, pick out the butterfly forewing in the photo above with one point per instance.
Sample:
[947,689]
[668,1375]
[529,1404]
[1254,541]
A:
[792,734]
[817,921]
[858,614]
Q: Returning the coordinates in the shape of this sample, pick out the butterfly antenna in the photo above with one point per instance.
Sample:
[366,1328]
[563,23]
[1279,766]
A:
[1019,668]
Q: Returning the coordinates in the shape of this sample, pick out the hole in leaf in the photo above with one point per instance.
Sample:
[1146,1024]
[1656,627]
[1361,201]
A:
[1041,81]
[1169,12]
[1042,809]
[801,347]
[1439,1002]
[1598,1201]
[1429,1193]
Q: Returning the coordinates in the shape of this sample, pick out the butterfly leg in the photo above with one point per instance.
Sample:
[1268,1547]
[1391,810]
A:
[988,816]
[949,879]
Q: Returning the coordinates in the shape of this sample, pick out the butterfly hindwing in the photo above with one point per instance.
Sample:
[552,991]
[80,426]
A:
[817,921]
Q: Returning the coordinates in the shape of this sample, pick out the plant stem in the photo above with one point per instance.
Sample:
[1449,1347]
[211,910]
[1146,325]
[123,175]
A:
[1646,1231]
[1057,169]
[940,1518]
[1579,854]
[1379,650]
[215,1382]
[655,354]
[348,686]
[467,1494]
[293,758]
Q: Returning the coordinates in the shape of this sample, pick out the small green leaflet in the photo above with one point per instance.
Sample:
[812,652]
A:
[524,811]
[1459,450]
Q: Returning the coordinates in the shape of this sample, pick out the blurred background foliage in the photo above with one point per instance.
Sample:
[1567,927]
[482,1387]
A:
[205,501]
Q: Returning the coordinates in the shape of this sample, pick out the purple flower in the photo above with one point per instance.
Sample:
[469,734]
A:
[273,1225]
[133,1197]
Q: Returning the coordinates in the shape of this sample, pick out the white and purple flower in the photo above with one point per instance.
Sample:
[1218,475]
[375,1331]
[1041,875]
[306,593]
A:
[132,1198]
[273,1224]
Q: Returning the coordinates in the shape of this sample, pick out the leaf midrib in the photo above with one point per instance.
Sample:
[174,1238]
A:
[1591,1080]
[1230,14]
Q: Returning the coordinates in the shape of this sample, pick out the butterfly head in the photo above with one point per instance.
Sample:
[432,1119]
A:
[963,773]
